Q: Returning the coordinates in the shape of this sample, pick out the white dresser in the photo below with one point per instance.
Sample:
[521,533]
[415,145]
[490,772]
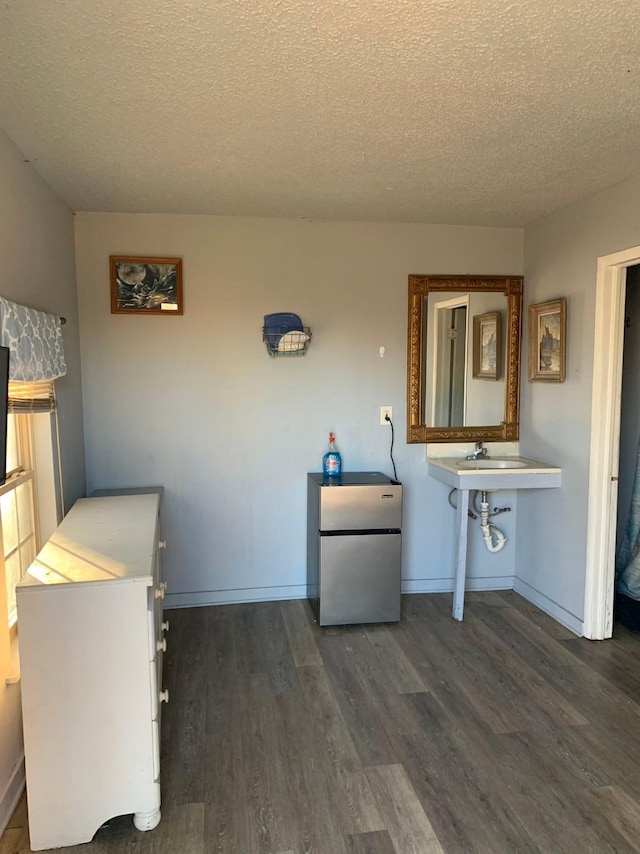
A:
[91,644]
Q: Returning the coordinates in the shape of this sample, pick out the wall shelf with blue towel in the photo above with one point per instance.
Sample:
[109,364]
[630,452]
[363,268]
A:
[285,335]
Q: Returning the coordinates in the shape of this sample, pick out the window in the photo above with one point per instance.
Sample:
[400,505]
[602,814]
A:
[30,501]
[18,531]
[18,508]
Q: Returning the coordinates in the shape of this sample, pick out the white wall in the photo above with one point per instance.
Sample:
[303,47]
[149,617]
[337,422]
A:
[196,404]
[560,260]
[36,247]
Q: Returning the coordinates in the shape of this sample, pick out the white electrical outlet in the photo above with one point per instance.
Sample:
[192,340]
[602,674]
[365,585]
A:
[384,411]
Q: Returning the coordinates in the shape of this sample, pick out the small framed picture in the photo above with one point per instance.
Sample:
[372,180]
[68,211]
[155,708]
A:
[146,285]
[487,349]
[547,340]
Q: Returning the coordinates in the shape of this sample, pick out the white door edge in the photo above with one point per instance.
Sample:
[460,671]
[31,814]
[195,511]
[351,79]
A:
[605,442]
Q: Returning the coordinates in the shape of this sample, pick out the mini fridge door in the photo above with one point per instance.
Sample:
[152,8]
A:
[349,508]
[359,579]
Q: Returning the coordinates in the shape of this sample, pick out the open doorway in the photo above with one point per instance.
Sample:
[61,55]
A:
[627,593]
[605,441]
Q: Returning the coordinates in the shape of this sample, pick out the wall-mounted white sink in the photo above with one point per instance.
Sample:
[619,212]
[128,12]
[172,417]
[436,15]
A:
[499,473]
[484,463]
[484,474]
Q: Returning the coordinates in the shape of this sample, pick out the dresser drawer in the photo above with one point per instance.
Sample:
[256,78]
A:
[155,620]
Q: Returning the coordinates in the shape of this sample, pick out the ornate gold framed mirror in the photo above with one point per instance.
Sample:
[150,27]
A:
[463,358]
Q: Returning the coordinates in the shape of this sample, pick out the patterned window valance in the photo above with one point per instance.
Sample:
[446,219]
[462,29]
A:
[35,341]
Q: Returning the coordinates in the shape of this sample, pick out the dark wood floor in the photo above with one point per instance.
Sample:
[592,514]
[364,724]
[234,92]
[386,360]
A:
[504,733]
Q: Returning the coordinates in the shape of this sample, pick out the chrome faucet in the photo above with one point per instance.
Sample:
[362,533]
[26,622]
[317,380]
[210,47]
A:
[478,453]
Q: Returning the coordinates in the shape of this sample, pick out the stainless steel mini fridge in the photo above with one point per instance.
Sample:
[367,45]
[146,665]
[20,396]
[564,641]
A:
[354,547]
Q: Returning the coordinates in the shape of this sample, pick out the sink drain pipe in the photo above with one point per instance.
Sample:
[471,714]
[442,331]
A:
[494,539]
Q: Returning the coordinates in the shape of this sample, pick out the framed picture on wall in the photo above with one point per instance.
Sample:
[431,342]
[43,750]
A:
[487,349]
[146,285]
[547,340]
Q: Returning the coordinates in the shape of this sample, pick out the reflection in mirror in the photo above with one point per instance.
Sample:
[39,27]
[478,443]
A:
[447,374]
[463,359]
[464,383]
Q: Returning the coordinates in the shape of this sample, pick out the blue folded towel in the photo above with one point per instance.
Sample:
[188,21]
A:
[277,325]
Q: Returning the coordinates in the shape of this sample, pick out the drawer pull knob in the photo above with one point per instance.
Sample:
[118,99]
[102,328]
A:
[165,626]
[161,645]
[164,696]
[162,544]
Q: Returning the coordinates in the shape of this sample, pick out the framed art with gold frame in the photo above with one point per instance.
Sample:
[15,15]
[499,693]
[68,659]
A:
[548,340]
[487,345]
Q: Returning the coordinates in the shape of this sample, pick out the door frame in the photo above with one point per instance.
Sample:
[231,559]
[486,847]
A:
[439,306]
[605,442]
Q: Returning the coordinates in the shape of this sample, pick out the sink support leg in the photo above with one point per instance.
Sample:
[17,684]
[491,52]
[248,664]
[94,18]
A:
[462,521]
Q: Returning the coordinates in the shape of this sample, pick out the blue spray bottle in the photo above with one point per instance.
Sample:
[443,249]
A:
[332,461]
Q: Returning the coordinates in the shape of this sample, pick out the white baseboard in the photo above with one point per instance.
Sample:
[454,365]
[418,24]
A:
[235,597]
[299,591]
[445,585]
[12,794]
[566,618]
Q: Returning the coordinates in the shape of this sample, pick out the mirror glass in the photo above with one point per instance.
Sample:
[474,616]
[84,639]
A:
[463,358]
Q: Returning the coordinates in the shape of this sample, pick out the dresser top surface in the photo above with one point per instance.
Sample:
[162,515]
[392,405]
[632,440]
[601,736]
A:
[100,540]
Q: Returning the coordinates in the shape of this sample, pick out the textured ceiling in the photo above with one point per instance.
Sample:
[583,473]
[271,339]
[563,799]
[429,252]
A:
[453,111]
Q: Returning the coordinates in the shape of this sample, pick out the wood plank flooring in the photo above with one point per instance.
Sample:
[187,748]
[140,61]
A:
[504,733]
